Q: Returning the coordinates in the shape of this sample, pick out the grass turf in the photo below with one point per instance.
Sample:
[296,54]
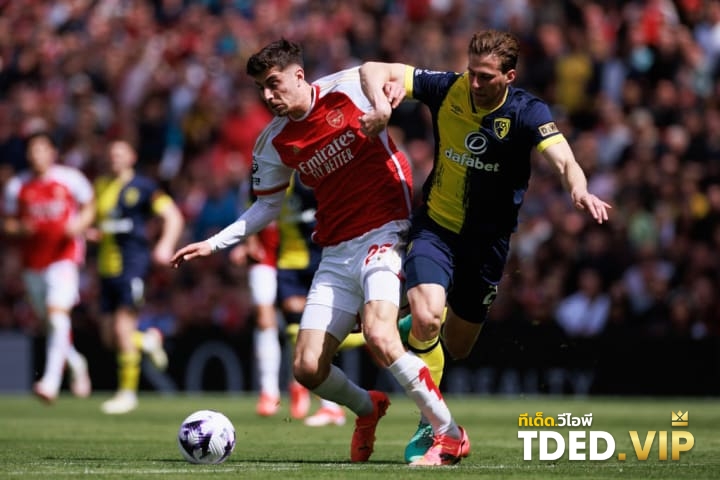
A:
[72,439]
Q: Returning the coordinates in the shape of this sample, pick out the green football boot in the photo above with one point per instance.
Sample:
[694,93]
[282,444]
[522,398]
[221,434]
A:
[419,443]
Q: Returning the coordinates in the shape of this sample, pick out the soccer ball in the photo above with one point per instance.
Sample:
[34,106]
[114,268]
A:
[206,436]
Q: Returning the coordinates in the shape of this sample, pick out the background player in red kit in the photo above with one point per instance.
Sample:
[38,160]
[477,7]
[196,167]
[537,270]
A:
[261,250]
[49,207]
[363,190]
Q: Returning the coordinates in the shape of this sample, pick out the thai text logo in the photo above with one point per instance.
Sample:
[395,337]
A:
[581,444]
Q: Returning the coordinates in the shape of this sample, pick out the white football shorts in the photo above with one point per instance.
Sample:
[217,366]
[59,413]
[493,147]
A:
[353,273]
[263,284]
[56,286]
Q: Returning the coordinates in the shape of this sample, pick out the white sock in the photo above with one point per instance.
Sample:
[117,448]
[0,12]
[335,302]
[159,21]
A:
[58,344]
[76,361]
[413,375]
[338,388]
[267,359]
[325,403]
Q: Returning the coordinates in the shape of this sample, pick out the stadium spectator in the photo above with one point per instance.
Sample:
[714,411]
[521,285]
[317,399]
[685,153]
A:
[585,312]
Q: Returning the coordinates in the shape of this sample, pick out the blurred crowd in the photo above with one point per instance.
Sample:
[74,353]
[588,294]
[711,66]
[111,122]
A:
[634,86]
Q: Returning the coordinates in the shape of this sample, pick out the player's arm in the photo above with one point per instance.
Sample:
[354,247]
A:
[384,86]
[12,226]
[172,227]
[573,178]
[84,194]
[11,223]
[83,220]
[263,211]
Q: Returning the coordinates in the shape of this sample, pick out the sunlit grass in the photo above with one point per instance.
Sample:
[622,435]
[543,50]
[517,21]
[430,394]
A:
[74,439]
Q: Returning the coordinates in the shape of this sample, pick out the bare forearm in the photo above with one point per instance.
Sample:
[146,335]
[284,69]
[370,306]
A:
[82,221]
[373,76]
[574,181]
[173,224]
[562,159]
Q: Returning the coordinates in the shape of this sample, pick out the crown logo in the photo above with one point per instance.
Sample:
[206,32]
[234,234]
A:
[680,419]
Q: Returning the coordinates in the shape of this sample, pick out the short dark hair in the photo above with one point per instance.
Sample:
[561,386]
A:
[122,138]
[40,134]
[492,42]
[279,53]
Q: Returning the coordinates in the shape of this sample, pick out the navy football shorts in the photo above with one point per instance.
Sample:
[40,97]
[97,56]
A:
[121,291]
[469,269]
[293,282]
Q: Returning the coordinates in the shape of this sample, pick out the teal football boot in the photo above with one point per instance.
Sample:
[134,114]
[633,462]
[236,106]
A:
[422,440]
[419,443]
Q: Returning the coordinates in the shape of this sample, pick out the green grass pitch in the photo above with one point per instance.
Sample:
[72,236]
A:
[73,439]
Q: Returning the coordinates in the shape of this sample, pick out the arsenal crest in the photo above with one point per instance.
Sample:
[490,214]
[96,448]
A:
[335,118]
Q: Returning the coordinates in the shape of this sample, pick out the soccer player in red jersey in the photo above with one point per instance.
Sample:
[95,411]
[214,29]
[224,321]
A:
[362,185]
[49,207]
[261,250]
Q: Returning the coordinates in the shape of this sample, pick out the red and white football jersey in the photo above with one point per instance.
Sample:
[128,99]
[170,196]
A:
[360,183]
[47,203]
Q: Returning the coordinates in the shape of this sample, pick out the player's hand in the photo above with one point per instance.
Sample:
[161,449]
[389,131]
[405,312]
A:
[395,93]
[596,207]
[188,252]
[93,234]
[375,121]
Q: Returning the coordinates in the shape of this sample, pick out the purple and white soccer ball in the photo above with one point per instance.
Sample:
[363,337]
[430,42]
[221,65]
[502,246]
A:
[206,436]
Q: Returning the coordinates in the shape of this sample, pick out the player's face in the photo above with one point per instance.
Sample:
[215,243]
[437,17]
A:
[282,91]
[487,82]
[41,154]
[122,157]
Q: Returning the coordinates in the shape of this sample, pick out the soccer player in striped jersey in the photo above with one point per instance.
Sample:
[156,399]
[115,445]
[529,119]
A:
[485,130]
[126,202]
[362,186]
